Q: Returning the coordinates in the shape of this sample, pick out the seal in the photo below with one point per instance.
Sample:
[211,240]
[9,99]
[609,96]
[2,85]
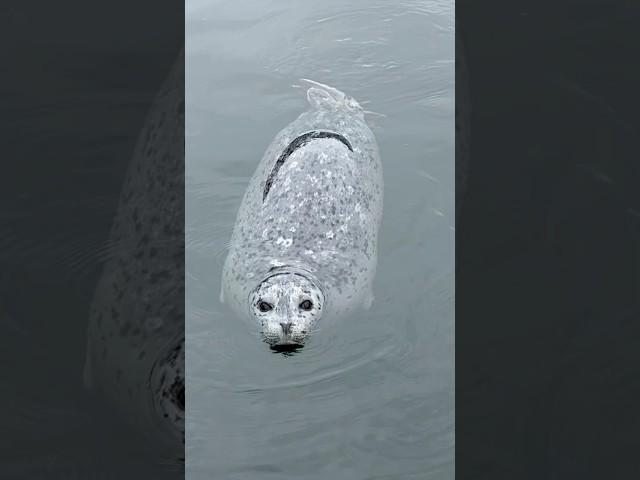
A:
[304,245]
[135,337]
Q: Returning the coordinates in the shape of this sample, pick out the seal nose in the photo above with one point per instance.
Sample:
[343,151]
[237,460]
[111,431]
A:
[286,328]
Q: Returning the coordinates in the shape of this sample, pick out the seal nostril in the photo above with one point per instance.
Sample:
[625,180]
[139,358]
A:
[286,328]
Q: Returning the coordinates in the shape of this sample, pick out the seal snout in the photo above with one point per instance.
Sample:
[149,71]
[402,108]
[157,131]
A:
[286,328]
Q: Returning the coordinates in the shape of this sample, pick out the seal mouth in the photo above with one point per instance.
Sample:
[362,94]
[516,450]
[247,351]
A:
[286,349]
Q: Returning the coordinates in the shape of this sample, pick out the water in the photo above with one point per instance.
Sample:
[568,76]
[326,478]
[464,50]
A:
[373,396]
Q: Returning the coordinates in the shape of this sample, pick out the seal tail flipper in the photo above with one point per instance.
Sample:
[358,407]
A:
[329,92]
[321,95]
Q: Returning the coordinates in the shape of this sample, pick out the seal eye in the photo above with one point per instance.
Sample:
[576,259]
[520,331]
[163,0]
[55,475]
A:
[306,305]
[264,306]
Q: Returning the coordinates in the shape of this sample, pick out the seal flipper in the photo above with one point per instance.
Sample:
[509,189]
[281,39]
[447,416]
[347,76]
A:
[319,98]
[320,90]
[324,96]
[222,294]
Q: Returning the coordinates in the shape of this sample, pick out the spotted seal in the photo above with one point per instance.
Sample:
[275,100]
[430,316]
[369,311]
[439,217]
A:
[135,338]
[304,245]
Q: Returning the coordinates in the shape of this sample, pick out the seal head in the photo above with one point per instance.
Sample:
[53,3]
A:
[287,304]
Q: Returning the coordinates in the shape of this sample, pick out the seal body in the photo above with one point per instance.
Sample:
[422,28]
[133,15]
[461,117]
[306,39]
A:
[312,210]
[135,338]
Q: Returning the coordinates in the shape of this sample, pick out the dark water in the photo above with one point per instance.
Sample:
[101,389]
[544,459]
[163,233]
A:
[373,396]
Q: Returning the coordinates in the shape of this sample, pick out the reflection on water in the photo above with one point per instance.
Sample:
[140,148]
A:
[135,335]
[372,394]
[55,240]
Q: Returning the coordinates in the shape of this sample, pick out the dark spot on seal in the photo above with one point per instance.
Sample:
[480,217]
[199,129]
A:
[299,142]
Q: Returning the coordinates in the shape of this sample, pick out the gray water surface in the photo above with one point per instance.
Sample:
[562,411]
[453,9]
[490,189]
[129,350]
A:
[373,396]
